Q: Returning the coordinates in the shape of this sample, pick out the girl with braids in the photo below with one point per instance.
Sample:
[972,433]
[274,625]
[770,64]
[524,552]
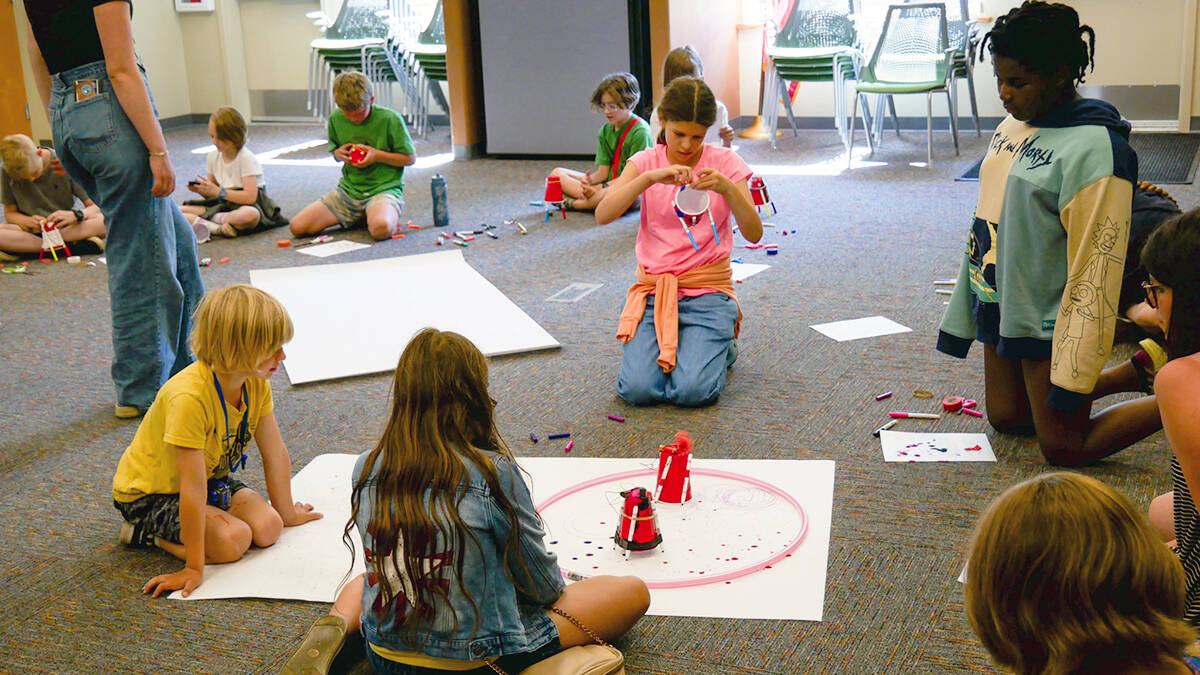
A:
[681,317]
[1041,276]
[1173,291]
[458,576]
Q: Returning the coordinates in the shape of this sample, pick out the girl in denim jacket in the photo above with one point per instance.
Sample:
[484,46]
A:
[457,574]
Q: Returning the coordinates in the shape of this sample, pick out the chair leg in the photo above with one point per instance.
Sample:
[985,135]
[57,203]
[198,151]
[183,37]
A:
[929,128]
[895,118]
[971,92]
[867,124]
[953,119]
[787,106]
[850,143]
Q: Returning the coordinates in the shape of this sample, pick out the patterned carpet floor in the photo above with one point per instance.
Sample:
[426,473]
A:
[867,241]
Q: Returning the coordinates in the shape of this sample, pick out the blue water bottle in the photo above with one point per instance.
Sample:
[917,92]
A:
[441,210]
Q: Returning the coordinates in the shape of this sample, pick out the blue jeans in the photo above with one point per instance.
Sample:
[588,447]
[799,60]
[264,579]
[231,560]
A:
[706,325]
[153,273]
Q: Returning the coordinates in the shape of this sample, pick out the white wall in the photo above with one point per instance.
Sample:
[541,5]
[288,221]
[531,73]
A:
[277,58]
[158,39]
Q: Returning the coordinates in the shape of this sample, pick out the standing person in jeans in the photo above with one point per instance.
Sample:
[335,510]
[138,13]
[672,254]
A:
[107,135]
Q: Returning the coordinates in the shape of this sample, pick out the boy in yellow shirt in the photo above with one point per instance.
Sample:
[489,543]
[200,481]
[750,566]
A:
[175,484]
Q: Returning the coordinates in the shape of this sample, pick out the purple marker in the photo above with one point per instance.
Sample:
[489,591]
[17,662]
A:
[615,418]
[565,434]
[533,437]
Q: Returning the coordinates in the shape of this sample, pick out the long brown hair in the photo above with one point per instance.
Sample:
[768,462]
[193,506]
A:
[688,99]
[441,418]
[1066,576]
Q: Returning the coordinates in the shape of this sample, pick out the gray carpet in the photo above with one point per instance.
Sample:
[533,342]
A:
[867,242]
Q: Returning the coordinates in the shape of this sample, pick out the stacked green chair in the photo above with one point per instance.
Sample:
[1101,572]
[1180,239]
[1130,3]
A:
[912,56]
[358,31]
[817,43]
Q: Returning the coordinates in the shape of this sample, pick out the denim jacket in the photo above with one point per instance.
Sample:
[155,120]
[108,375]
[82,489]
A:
[511,618]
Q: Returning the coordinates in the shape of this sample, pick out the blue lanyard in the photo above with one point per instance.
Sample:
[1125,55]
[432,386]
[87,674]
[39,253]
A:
[235,453]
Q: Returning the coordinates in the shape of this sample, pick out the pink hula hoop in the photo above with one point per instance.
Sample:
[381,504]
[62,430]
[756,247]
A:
[798,539]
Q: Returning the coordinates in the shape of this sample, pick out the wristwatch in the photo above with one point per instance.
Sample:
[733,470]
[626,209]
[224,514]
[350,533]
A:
[221,193]
[78,215]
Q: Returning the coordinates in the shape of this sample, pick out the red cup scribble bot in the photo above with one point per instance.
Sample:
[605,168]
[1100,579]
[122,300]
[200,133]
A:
[762,198]
[357,154]
[638,527]
[674,484]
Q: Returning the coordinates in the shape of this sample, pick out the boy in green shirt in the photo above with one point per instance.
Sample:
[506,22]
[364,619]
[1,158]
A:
[373,144]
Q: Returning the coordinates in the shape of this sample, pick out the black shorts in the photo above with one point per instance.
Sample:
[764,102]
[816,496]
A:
[159,514]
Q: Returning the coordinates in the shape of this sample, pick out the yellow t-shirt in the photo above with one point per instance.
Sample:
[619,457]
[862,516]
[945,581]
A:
[186,413]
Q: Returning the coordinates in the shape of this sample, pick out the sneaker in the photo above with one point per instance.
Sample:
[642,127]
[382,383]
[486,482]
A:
[98,242]
[731,354]
[134,536]
[228,230]
[127,412]
[317,649]
[8,257]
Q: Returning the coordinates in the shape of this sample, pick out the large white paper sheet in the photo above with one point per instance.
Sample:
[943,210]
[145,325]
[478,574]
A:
[905,446]
[743,271]
[309,561]
[855,329]
[356,318]
[793,588]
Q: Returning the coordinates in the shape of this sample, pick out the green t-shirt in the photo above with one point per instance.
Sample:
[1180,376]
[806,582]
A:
[637,140]
[384,129]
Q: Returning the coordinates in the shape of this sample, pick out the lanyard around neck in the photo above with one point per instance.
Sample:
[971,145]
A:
[236,452]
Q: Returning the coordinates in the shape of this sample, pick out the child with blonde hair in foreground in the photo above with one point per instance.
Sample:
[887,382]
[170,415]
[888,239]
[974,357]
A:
[176,484]
[1067,576]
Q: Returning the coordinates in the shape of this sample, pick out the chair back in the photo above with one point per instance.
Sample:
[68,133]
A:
[359,19]
[435,32]
[912,46]
[818,23]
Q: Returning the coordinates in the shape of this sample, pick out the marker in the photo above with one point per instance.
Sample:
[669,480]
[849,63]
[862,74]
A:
[945,282]
[885,427]
[461,243]
[972,412]
[886,394]
[570,444]
[565,434]
[533,437]
[224,260]
[900,414]
[493,235]
[616,418]
[522,229]
[398,236]
[943,291]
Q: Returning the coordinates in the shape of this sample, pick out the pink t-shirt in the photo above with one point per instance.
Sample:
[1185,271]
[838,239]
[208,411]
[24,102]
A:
[662,246]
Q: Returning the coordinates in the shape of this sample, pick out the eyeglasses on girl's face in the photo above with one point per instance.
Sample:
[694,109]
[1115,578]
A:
[1152,290]
[610,107]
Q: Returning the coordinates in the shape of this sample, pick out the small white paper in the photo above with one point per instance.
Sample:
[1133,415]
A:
[904,446]
[855,329]
[962,576]
[575,292]
[746,270]
[332,248]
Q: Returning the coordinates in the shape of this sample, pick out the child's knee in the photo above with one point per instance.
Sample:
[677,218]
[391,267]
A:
[697,389]
[1062,451]
[266,528]
[635,592]
[230,542]
[637,390]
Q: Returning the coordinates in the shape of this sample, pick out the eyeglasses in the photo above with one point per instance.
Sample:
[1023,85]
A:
[1152,290]
[609,107]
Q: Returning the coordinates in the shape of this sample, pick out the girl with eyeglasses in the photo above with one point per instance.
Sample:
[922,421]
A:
[622,136]
[1173,291]
[681,317]
[1040,281]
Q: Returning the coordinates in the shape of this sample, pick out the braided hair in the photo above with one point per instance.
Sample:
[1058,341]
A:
[1043,37]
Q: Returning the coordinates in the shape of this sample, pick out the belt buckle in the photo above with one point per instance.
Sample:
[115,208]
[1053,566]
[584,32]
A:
[85,89]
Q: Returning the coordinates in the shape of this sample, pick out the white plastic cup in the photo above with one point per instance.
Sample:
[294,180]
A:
[691,202]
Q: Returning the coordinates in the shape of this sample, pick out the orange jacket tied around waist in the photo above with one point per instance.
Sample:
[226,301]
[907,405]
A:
[715,275]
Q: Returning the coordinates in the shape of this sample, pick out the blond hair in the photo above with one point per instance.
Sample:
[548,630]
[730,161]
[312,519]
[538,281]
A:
[238,326]
[20,156]
[229,126]
[1066,576]
[352,91]
[682,61]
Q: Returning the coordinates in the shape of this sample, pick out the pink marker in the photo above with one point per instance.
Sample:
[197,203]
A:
[972,412]
[570,444]
[900,414]
[883,396]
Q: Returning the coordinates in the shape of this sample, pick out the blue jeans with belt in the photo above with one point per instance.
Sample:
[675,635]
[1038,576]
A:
[153,273]
[706,324]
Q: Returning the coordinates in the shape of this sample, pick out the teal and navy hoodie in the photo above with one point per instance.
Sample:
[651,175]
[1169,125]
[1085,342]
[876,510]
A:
[1041,275]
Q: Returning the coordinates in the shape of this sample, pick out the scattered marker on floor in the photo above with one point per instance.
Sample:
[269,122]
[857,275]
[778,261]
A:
[563,434]
[616,418]
[224,260]
[283,243]
[570,444]
[533,437]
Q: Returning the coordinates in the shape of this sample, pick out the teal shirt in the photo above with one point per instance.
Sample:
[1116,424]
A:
[384,129]
[637,140]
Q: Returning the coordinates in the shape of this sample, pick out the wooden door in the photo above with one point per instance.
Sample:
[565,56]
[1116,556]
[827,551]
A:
[14,116]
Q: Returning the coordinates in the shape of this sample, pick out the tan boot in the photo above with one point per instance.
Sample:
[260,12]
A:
[317,649]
